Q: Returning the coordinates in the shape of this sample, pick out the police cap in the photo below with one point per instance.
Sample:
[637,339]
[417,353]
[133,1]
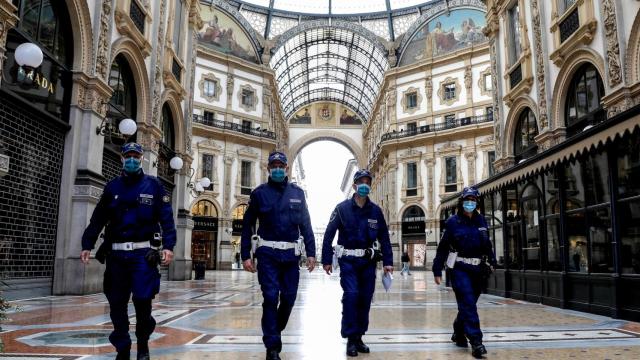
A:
[129,147]
[278,156]
[362,173]
[470,191]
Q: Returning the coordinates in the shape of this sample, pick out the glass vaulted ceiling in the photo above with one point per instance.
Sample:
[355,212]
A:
[337,6]
[329,64]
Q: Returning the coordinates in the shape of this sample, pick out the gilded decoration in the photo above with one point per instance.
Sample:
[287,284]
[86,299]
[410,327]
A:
[613,48]
[248,90]
[441,91]
[404,102]
[217,87]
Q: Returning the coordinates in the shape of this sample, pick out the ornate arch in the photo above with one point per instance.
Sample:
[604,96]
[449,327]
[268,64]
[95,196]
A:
[131,52]
[407,206]
[632,62]
[210,198]
[331,136]
[517,108]
[172,98]
[243,23]
[563,80]
[80,18]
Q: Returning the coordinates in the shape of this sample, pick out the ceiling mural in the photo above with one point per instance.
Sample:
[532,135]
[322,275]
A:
[444,34]
[223,34]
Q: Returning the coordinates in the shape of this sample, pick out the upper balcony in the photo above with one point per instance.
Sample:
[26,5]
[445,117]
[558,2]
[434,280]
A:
[447,125]
[233,127]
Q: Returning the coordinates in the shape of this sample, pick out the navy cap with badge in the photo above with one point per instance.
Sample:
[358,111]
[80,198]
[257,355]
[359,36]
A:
[278,156]
[470,191]
[129,147]
[362,173]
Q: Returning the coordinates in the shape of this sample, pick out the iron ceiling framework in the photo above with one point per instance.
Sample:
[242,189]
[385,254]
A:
[329,63]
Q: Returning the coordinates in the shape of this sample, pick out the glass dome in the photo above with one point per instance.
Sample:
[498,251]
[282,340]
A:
[338,7]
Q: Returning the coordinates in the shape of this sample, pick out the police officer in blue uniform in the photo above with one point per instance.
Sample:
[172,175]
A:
[135,210]
[281,208]
[466,248]
[360,223]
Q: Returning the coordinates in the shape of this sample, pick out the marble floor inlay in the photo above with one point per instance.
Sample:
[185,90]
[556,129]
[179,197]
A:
[219,318]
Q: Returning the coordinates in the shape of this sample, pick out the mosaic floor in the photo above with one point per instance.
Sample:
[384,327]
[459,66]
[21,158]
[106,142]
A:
[219,318]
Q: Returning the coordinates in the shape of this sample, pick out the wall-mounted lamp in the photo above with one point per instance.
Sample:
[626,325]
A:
[197,187]
[126,127]
[28,57]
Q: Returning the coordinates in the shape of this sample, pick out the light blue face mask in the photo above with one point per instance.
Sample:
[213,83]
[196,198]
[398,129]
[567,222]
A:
[469,205]
[277,174]
[131,165]
[363,189]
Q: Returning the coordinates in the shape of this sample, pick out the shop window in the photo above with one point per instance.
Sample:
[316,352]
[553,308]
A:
[47,23]
[514,236]
[526,131]
[552,221]
[491,158]
[531,211]
[583,105]
[628,174]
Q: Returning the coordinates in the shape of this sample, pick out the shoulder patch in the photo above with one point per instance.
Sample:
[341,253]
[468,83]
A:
[166,198]
[333,215]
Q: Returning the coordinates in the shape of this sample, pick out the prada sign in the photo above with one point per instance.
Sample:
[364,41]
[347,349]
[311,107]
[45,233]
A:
[413,227]
[205,223]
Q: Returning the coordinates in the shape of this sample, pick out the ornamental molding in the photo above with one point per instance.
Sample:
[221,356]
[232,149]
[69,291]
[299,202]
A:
[93,93]
[248,152]
[410,154]
[444,7]
[157,76]
[405,108]
[540,66]
[218,88]
[450,148]
[254,97]
[209,145]
[448,81]
[613,47]
[87,191]
[428,87]
[481,84]
[102,57]
[497,122]
[126,27]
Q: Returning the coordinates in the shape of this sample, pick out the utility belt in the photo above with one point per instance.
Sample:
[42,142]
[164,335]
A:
[372,253]
[453,258]
[130,246]
[257,241]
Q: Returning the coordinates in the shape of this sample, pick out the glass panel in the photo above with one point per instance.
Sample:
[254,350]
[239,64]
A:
[514,238]
[600,236]
[531,222]
[574,193]
[629,213]
[596,179]
[554,257]
[581,97]
[491,159]
[451,175]
[593,98]
[628,155]
[167,127]
[357,7]
[309,7]
[412,176]
[246,174]
[207,168]
[514,29]
[497,229]
[399,4]
[177,28]
[577,239]
[30,10]
[47,35]
[552,196]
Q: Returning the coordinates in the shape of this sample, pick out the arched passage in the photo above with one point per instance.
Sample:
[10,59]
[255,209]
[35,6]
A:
[330,135]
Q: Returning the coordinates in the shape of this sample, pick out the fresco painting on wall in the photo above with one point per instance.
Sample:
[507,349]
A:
[223,34]
[349,118]
[302,117]
[444,34]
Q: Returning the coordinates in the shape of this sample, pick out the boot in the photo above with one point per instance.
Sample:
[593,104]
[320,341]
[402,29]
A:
[352,348]
[272,354]
[123,355]
[478,350]
[460,340]
[143,351]
[361,347]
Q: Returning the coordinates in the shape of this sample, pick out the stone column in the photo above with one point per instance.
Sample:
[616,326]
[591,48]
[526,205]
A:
[230,81]
[180,268]
[8,19]
[430,164]
[81,186]
[471,166]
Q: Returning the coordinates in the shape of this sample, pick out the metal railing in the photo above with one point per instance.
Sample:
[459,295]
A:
[569,25]
[137,16]
[450,124]
[233,127]
[176,69]
[515,77]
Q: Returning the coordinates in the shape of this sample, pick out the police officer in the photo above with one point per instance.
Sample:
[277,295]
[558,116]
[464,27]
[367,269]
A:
[464,246]
[281,208]
[360,223]
[136,211]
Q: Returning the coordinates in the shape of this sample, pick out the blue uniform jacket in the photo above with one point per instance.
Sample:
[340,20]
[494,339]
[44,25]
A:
[359,228]
[133,207]
[283,214]
[468,236]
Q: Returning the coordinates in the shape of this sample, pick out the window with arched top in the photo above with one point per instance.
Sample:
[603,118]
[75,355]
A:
[47,23]
[526,131]
[168,135]
[583,106]
[204,208]
[413,213]
[166,149]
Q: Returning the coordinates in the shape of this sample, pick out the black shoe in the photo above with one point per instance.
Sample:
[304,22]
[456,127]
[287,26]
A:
[460,340]
[143,355]
[478,351]
[123,355]
[361,347]
[273,354]
[352,348]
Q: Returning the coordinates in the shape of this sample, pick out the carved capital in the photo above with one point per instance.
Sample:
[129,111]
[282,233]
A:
[93,93]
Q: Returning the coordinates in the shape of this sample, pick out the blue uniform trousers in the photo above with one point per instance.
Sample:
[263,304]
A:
[278,280]
[129,273]
[467,285]
[358,281]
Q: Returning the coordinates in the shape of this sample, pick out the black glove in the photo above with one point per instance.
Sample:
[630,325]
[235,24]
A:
[103,251]
[152,257]
[485,268]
